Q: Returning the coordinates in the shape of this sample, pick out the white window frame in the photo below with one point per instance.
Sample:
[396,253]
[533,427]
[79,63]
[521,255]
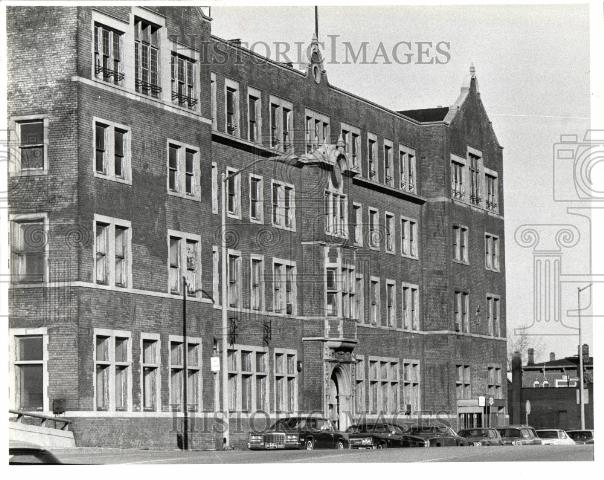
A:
[391,322]
[281,105]
[412,383]
[198,368]
[464,304]
[216,274]
[238,295]
[373,237]
[392,381]
[281,208]
[191,56]
[407,176]
[262,285]
[126,46]
[232,85]
[213,101]
[283,286]
[182,259]
[414,322]
[465,382]
[497,385]
[360,384]
[260,200]
[237,184]
[181,173]
[378,308]
[491,205]
[348,131]
[286,376]
[458,190]
[358,223]
[410,244]
[14,221]
[257,94]
[348,291]
[214,180]
[110,254]
[371,137]
[492,258]
[337,291]
[388,147]
[336,223]
[389,233]
[14,167]
[109,160]
[360,299]
[12,355]
[112,334]
[325,130]
[238,372]
[493,314]
[459,255]
[479,176]
[154,337]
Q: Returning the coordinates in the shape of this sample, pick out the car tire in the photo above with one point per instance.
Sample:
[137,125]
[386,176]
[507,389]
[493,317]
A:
[310,444]
[381,446]
[340,445]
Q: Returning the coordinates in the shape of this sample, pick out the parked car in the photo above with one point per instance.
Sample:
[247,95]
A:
[21,453]
[582,437]
[554,436]
[308,432]
[519,435]
[481,436]
[382,435]
[439,435]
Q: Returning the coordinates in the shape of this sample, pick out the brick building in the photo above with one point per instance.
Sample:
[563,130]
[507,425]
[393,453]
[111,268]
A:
[365,245]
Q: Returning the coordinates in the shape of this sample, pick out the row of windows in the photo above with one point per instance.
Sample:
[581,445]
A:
[461,246]
[461,313]
[463,382]
[473,183]
[400,174]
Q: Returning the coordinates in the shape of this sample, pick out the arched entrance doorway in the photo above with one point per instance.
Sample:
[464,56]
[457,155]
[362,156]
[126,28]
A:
[338,398]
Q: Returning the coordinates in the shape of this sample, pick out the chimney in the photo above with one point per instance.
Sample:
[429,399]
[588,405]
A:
[516,388]
[531,356]
[552,356]
[585,351]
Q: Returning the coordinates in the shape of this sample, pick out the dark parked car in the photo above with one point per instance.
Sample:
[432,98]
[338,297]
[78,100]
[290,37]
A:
[481,436]
[582,437]
[519,435]
[21,453]
[438,435]
[299,432]
[382,435]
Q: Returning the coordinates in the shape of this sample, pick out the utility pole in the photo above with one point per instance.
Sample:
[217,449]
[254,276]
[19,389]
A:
[581,399]
[223,276]
[185,423]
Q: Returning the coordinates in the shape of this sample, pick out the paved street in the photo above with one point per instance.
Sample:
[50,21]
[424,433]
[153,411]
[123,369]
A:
[445,454]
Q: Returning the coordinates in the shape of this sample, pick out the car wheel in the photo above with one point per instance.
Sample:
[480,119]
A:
[310,444]
[381,446]
[340,445]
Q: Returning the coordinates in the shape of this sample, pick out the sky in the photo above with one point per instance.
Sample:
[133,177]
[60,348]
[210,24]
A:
[532,65]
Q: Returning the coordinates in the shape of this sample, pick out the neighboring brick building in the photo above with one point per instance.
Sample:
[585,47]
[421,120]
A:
[552,388]
[366,246]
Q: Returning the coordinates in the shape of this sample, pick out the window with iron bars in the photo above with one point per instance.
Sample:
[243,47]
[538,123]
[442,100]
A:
[108,54]
[146,58]
[183,81]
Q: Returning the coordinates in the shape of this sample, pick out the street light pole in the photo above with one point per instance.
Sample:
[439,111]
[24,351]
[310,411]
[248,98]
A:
[185,423]
[581,399]
[223,304]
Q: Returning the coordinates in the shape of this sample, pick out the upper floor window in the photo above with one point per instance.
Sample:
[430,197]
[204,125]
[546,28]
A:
[463,382]
[374,229]
[112,151]
[490,178]
[388,164]
[390,303]
[494,387]
[146,57]
[358,223]
[372,173]
[460,243]
[233,191]
[213,101]
[183,81]
[281,124]
[108,57]
[462,307]
[375,301]
[491,252]
[348,292]
[183,170]
[409,239]
[493,312]
[28,248]
[458,187]
[475,161]
[332,290]
[254,115]
[407,167]
[410,295]
[336,213]
[352,140]
[31,154]
[283,205]
[234,278]
[113,251]
[284,287]
[256,282]
[184,262]
[256,199]
[317,130]
[390,230]
[232,108]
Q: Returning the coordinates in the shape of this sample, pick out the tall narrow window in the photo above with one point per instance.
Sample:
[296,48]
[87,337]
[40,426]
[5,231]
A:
[457,180]
[317,130]
[283,214]
[358,224]
[102,249]
[462,306]
[332,289]
[213,101]
[150,374]
[390,233]
[492,193]
[29,372]
[375,302]
[491,246]
[183,80]
[121,249]
[372,158]
[112,251]
[189,171]
[475,193]
[460,243]
[359,288]
[233,186]
[285,381]
[359,391]
[390,304]
[175,269]
[374,233]
[112,147]
[256,199]
[183,170]
[173,167]
[112,371]
[108,54]
[214,180]
[253,116]
[232,108]
[178,376]
[146,55]
[28,243]
[100,140]
[411,382]
[388,165]
[256,283]
[281,124]
[184,261]
[409,238]
[234,279]
[407,169]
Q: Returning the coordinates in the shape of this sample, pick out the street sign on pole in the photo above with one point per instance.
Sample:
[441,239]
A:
[527,407]
[481,401]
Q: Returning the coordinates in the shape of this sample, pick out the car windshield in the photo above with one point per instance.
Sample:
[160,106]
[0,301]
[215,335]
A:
[547,433]
[353,429]
[580,436]
[510,432]
[395,429]
[288,424]
[476,432]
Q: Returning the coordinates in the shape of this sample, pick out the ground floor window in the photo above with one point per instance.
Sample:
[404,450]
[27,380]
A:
[113,370]
[383,385]
[29,359]
[286,389]
[177,373]
[248,378]
[411,383]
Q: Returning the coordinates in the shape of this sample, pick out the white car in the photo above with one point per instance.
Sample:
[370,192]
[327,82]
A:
[554,436]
